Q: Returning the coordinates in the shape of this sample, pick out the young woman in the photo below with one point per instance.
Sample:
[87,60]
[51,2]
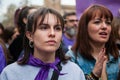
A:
[95,50]
[43,58]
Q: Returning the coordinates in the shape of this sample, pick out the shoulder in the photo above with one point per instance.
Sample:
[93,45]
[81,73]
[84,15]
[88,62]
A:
[8,71]
[15,69]
[71,67]
[70,53]
[11,67]
[73,71]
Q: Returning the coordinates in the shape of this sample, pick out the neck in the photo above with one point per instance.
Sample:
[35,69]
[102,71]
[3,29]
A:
[96,49]
[69,37]
[45,57]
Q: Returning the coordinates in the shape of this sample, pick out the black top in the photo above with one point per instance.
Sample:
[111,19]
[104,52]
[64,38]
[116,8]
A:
[16,47]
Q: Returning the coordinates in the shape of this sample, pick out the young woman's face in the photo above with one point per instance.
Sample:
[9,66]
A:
[99,30]
[48,35]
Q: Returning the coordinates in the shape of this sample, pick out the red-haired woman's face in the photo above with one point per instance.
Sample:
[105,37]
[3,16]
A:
[99,30]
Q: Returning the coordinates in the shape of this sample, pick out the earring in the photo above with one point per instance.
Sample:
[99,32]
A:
[31,44]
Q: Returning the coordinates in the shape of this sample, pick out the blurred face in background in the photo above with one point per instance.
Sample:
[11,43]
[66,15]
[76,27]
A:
[71,21]
[71,25]
[16,33]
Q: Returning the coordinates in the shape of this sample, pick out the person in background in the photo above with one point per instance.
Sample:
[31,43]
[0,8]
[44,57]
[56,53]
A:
[5,57]
[16,46]
[95,49]
[116,30]
[7,35]
[2,59]
[1,28]
[71,23]
[16,33]
[43,57]
[5,39]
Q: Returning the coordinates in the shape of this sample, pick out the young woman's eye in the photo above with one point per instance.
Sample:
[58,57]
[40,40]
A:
[43,27]
[58,27]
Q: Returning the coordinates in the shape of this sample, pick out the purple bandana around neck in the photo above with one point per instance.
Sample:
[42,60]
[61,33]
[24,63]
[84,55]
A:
[43,73]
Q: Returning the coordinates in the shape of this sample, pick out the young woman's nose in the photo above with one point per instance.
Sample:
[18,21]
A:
[52,32]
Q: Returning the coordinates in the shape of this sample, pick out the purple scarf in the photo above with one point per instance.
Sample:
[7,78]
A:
[43,73]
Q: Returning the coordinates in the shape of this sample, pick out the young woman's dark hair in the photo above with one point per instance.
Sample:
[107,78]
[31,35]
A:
[82,41]
[33,23]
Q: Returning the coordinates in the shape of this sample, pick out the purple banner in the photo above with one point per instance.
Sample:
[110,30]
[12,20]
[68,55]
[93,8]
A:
[112,5]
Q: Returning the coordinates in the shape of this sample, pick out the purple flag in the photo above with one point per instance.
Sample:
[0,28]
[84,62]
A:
[112,5]
[81,5]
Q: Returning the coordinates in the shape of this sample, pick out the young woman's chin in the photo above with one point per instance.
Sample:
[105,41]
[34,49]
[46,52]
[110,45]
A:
[51,49]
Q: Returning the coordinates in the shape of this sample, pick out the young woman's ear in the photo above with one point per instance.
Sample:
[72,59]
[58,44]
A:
[29,35]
